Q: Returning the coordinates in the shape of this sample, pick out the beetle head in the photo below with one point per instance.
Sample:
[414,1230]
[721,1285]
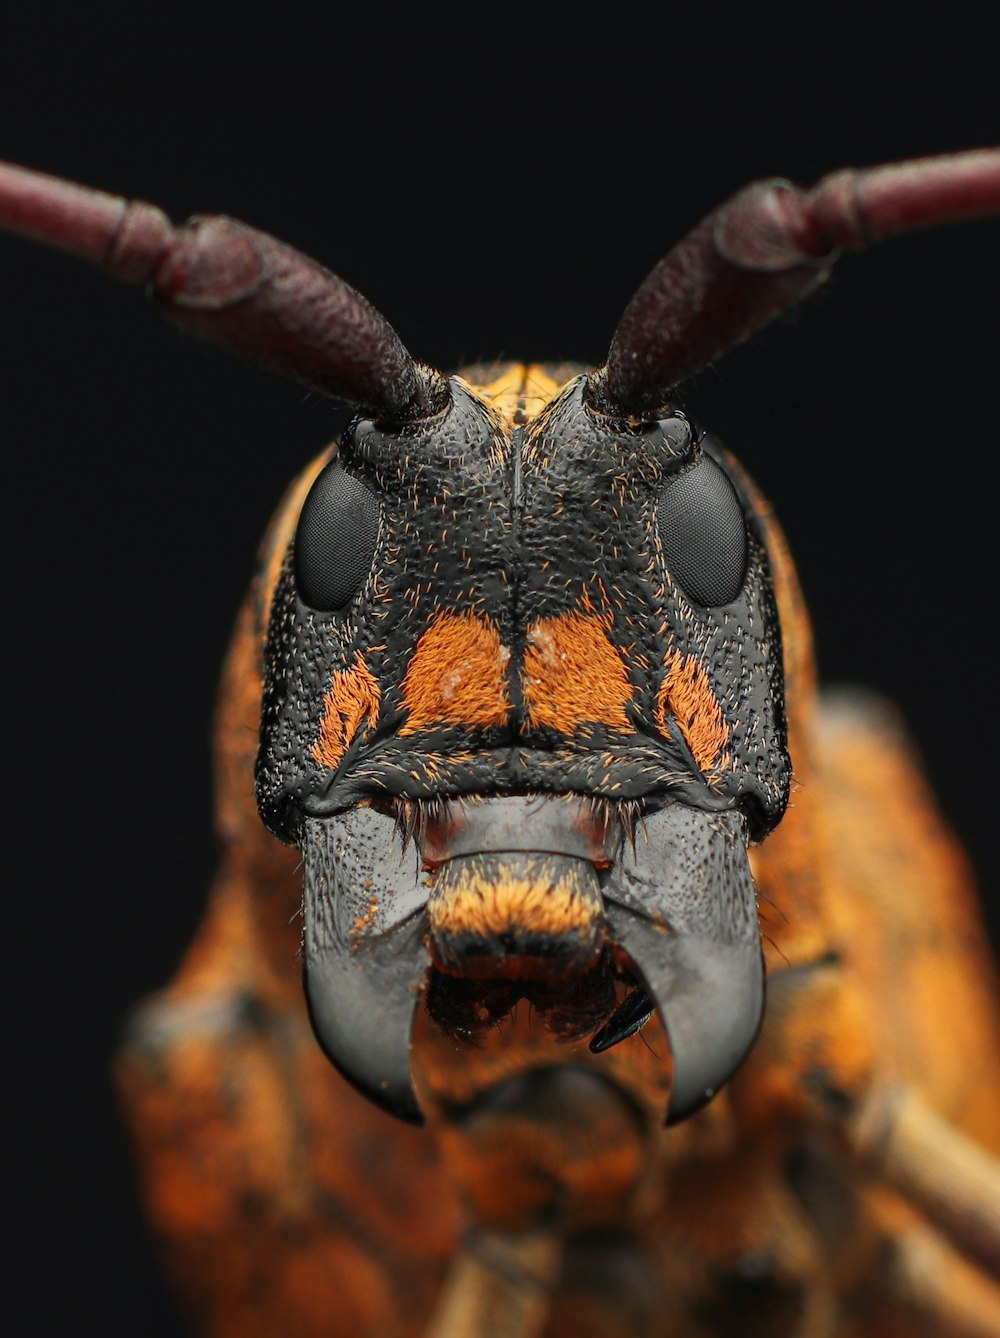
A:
[540,641]
[540,646]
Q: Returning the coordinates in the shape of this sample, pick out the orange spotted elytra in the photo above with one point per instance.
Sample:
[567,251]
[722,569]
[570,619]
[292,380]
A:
[622,1041]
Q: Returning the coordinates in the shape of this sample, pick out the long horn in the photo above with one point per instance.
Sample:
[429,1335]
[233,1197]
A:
[764,249]
[232,285]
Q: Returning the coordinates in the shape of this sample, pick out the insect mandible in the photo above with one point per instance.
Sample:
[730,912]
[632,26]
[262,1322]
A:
[534,685]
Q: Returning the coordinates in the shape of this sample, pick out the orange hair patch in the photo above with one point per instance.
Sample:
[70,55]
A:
[519,392]
[573,674]
[457,676]
[517,900]
[353,697]
[687,693]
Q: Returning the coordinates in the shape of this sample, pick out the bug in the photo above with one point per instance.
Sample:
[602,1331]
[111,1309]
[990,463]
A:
[524,712]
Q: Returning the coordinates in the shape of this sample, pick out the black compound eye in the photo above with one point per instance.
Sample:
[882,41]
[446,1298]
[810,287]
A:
[704,533]
[335,541]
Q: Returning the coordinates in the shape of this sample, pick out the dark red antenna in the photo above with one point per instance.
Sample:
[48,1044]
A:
[234,286]
[764,249]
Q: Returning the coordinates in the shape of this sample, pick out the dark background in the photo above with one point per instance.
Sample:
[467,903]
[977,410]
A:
[497,185]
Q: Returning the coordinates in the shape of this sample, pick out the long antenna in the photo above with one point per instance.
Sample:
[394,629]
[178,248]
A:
[765,249]
[232,285]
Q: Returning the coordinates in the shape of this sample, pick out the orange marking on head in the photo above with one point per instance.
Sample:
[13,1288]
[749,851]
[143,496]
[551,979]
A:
[687,693]
[526,898]
[489,895]
[353,697]
[457,676]
[573,674]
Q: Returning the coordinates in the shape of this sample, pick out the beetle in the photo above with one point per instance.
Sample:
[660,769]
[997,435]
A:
[529,712]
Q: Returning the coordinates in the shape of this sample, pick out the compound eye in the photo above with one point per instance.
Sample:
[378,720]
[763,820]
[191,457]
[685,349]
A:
[335,541]
[703,533]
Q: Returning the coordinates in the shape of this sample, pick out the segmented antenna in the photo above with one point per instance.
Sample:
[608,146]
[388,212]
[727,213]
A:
[234,286]
[765,249]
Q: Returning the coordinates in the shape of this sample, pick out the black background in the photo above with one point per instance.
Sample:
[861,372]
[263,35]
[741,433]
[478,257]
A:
[497,182]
